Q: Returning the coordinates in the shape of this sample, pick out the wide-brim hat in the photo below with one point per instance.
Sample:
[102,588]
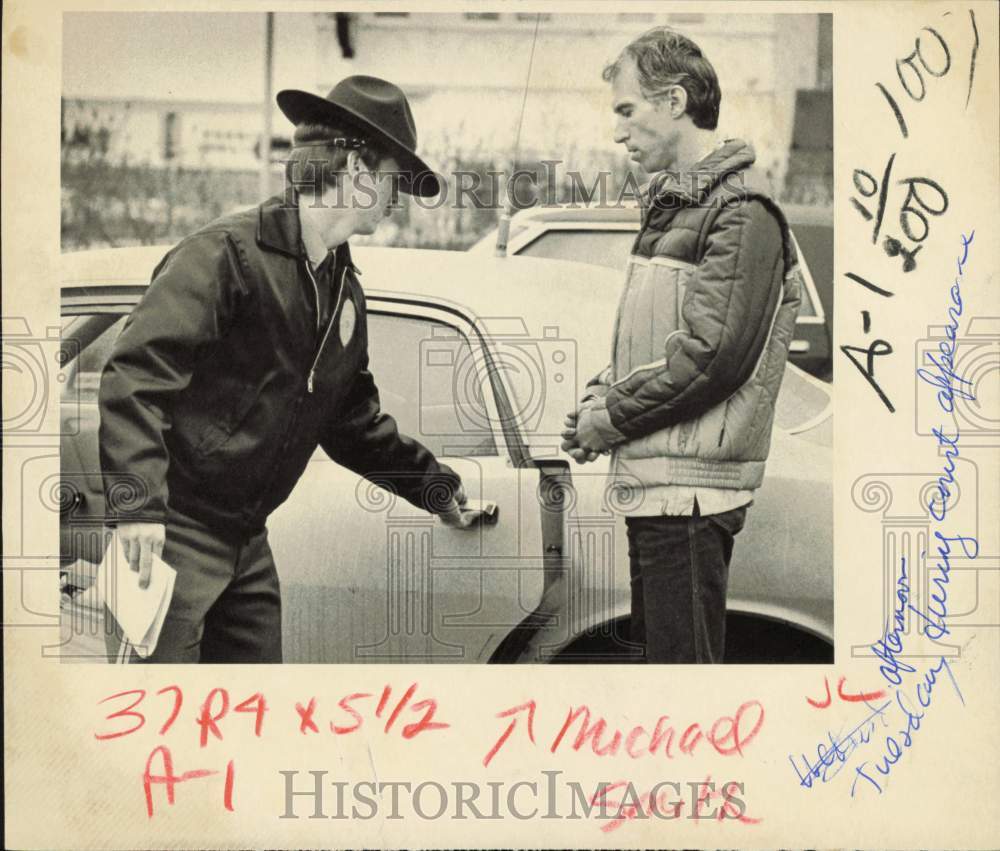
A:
[377,110]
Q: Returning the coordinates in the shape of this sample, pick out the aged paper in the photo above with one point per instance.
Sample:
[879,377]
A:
[891,744]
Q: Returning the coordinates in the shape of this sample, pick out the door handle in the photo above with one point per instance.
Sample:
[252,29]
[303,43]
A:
[489,511]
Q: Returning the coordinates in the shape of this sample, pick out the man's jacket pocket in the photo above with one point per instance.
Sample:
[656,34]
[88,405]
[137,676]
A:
[224,422]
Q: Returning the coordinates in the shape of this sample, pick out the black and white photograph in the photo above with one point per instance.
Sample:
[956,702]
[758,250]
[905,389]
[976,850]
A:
[648,350]
[426,337]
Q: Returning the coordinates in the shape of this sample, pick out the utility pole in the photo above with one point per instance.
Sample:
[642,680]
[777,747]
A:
[265,142]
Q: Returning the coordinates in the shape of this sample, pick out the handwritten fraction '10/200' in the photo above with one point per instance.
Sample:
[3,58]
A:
[944,54]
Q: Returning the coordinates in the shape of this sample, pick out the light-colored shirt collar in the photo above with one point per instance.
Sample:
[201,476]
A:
[312,240]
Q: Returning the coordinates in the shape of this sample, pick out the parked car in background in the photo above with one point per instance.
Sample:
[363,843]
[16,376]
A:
[603,235]
[479,358]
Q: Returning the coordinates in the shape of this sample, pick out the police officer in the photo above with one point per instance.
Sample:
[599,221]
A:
[248,350]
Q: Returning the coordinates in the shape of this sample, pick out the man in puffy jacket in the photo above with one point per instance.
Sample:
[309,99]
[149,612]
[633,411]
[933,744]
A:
[707,314]
[247,351]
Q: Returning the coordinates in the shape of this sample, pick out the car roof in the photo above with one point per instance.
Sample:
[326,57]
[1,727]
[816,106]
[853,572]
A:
[624,212]
[797,214]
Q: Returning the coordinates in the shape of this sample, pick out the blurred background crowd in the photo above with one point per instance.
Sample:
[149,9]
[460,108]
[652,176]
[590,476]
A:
[168,119]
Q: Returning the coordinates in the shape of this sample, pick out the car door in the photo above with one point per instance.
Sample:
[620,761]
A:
[367,577]
[88,333]
[89,328]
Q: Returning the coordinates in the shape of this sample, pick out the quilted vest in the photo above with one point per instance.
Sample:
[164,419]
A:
[726,446]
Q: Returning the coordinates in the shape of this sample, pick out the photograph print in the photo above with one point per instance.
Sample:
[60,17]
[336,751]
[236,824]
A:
[489,337]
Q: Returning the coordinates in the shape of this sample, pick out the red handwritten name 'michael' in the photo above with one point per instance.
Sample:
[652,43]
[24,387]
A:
[727,734]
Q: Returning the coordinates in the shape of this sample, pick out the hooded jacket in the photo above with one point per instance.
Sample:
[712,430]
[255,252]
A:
[702,332]
[223,382]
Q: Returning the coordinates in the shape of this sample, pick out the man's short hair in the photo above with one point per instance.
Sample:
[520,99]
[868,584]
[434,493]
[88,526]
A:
[319,155]
[665,58]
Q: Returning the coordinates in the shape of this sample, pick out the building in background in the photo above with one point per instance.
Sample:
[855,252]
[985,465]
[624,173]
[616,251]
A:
[163,165]
[186,133]
[465,75]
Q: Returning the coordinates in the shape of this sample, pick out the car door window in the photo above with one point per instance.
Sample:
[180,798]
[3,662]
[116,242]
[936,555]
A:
[610,249]
[84,371]
[429,382]
[424,370]
[815,245]
[808,307]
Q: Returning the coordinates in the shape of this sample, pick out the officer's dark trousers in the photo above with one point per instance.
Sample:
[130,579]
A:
[679,570]
[226,605]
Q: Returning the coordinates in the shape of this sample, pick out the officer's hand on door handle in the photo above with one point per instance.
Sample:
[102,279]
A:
[462,514]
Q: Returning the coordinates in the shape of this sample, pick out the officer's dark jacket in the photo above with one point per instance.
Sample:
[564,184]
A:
[206,403]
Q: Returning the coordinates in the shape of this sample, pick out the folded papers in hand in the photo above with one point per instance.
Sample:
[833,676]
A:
[140,612]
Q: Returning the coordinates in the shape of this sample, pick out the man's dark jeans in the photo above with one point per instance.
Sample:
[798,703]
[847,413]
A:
[226,605]
[680,568]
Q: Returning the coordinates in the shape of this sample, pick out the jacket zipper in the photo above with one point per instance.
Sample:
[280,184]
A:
[293,422]
[333,316]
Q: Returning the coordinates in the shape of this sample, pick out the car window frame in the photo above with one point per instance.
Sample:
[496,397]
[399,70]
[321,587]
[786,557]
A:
[505,424]
[82,320]
[819,315]
[537,230]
